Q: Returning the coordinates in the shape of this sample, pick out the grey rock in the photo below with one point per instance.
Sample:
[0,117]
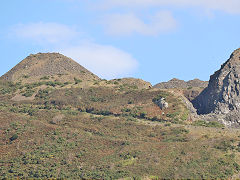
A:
[222,96]
[162,103]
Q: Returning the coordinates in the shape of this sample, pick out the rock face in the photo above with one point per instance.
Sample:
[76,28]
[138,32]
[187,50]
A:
[41,65]
[222,94]
[177,83]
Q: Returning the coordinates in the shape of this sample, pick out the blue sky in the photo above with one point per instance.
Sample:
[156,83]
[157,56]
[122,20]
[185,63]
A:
[155,40]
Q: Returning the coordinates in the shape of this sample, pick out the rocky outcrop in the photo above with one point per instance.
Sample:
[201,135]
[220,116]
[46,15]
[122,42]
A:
[222,96]
[162,103]
[180,84]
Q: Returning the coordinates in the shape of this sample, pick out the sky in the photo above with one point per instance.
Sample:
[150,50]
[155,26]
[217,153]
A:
[155,40]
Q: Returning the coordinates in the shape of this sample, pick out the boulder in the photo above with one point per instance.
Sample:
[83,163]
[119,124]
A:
[162,103]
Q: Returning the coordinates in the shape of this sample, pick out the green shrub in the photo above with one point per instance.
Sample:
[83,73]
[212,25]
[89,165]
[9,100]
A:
[208,124]
[29,93]
[77,81]
[161,95]
[143,115]
[97,99]
[224,145]
[26,76]
[14,137]
[45,78]
[103,112]
[5,91]
[43,94]
[126,110]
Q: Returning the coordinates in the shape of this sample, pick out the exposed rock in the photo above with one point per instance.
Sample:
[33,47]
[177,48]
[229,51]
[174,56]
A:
[189,106]
[42,65]
[19,97]
[57,119]
[162,103]
[191,94]
[177,83]
[222,94]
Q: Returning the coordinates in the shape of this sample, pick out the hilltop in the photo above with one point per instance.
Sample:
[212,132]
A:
[48,66]
[177,83]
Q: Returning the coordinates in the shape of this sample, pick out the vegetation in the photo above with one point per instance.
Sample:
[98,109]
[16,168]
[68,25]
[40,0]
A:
[28,93]
[104,133]
[77,81]
[208,124]
[45,78]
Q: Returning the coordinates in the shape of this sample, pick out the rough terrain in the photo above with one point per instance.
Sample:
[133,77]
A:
[77,126]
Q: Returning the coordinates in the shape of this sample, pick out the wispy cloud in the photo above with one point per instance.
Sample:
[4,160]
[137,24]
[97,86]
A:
[106,61]
[228,6]
[127,24]
[44,32]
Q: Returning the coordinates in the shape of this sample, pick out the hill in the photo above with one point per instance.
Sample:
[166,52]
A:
[177,83]
[99,129]
[48,66]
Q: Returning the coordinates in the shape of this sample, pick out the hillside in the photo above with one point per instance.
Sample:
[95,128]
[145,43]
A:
[48,66]
[97,129]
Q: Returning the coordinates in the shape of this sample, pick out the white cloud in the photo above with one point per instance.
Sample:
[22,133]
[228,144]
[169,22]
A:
[228,6]
[127,24]
[44,32]
[106,61]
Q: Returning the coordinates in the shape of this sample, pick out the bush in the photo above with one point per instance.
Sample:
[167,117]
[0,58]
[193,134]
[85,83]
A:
[29,93]
[104,113]
[5,91]
[14,137]
[43,94]
[97,99]
[45,78]
[207,124]
[143,115]
[26,76]
[224,145]
[77,81]
[126,110]
[161,95]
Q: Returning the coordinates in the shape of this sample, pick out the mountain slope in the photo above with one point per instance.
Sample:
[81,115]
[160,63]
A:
[48,65]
